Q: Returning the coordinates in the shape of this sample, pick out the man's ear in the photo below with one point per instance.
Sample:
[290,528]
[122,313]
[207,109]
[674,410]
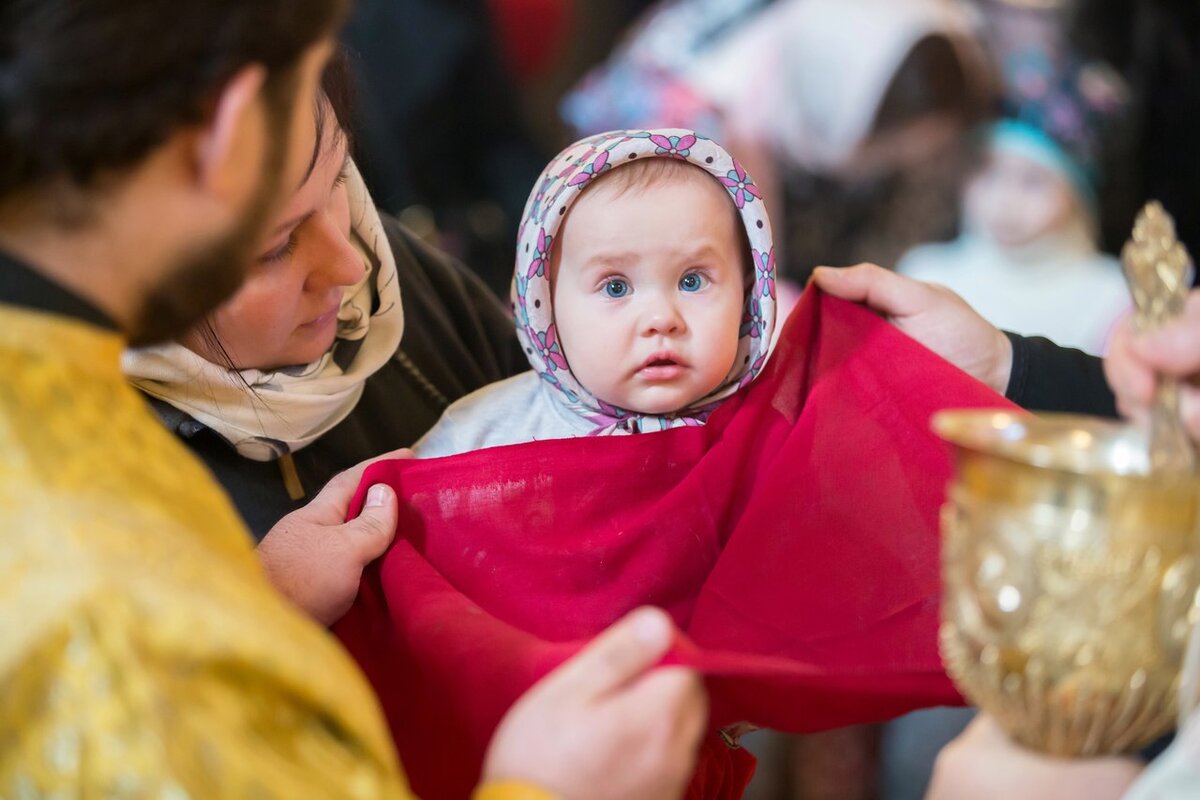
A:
[234,137]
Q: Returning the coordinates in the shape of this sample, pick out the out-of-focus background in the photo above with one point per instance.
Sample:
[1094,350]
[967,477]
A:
[1001,147]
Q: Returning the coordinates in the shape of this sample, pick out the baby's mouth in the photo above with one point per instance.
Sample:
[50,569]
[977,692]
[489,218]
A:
[661,366]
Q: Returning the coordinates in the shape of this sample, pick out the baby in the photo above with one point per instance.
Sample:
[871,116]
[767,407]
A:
[644,295]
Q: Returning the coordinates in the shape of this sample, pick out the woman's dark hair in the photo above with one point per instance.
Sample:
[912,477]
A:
[933,79]
[90,87]
[335,106]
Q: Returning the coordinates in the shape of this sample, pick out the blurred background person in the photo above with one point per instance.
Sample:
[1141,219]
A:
[855,115]
[849,114]
[1028,257]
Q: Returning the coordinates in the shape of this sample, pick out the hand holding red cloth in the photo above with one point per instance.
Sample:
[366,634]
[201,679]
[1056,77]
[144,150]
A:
[794,539]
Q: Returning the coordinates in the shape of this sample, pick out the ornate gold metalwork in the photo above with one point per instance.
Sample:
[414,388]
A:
[1071,573]
[1159,271]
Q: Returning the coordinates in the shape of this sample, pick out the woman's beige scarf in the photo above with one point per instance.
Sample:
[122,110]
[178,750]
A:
[265,415]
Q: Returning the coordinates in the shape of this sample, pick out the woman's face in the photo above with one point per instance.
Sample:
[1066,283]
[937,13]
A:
[286,312]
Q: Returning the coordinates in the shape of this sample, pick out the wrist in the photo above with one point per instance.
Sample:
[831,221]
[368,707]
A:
[1001,371]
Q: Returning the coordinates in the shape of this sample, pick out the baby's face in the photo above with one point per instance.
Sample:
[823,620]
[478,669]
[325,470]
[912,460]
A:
[1015,200]
[649,287]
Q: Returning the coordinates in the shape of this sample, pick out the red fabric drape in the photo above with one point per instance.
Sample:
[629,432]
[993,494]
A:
[793,539]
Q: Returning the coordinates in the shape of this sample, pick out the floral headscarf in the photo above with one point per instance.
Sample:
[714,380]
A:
[566,177]
[1057,112]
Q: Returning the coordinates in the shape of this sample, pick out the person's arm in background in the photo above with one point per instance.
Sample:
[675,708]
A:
[1048,377]
[1033,372]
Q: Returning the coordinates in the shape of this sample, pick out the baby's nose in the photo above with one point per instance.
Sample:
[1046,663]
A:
[663,319]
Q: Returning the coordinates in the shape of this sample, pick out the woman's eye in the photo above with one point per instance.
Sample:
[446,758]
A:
[692,282]
[616,288]
[280,253]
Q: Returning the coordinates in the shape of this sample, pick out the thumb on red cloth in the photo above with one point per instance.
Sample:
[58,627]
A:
[601,725]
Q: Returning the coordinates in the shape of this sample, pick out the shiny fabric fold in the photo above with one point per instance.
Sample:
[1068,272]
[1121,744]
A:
[793,539]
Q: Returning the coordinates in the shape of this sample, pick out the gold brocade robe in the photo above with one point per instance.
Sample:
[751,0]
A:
[142,651]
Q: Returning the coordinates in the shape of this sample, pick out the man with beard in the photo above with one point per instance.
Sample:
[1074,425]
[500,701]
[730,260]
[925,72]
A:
[142,652]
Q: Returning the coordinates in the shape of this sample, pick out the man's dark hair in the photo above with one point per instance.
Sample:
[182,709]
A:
[91,87]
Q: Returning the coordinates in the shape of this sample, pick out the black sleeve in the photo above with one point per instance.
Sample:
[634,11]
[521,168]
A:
[1046,377]
[456,331]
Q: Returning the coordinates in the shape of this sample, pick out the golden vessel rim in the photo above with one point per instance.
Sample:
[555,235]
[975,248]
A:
[1043,441]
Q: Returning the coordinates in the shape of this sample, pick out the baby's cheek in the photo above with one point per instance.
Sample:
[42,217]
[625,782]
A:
[722,360]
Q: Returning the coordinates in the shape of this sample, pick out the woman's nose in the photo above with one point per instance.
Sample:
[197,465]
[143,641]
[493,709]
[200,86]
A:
[338,262]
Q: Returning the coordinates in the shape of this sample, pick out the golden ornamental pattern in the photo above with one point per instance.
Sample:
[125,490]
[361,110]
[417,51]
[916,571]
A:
[142,652]
[1069,594]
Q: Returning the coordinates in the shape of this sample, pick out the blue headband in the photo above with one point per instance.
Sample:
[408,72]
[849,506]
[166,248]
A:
[1035,144]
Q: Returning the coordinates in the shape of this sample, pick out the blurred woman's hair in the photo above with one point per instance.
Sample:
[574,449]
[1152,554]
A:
[936,78]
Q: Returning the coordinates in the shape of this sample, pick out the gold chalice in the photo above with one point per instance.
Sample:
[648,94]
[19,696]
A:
[1070,560]
[1070,574]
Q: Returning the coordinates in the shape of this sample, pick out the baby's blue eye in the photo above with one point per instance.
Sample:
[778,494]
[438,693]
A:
[692,282]
[616,288]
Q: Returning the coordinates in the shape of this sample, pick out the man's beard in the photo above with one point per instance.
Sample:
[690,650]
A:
[202,280]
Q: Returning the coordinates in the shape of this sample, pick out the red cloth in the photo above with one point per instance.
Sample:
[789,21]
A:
[793,539]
